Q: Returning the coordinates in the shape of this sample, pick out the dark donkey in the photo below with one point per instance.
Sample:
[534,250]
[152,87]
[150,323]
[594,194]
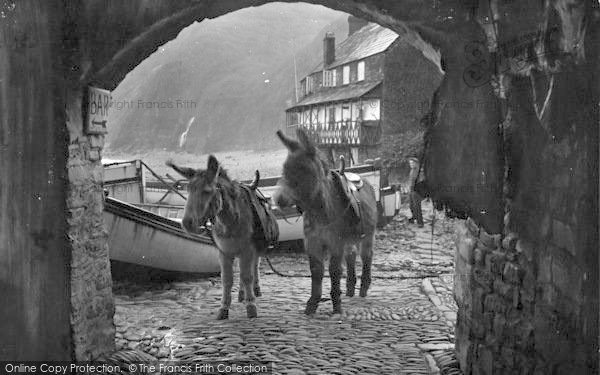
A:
[214,196]
[328,223]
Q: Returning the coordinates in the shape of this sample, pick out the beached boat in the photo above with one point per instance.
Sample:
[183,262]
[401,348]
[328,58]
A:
[166,196]
[141,237]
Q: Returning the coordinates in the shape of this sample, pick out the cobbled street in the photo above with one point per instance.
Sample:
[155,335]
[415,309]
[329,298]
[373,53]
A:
[404,326]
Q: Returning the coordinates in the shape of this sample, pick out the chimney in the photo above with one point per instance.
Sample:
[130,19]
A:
[355,24]
[329,48]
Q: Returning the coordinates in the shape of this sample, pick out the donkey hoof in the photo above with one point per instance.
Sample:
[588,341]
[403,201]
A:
[363,292]
[223,314]
[311,308]
[251,311]
[350,292]
[257,292]
[241,296]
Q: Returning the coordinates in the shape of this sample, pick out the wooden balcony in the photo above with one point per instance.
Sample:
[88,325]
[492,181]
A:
[342,133]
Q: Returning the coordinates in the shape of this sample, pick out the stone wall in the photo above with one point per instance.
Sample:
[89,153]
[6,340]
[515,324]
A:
[410,81]
[494,288]
[521,307]
[92,305]
[528,300]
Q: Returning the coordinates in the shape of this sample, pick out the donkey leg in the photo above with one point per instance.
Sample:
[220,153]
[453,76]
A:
[227,281]
[247,279]
[366,254]
[351,270]
[257,291]
[335,273]
[316,275]
[241,289]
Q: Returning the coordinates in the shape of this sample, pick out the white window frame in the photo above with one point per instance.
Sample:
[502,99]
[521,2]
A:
[360,71]
[329,78]
[321,115]
[330,114]
[345,74]
[346,112]
[307,85]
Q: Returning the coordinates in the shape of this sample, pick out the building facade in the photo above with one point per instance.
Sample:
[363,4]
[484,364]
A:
[355,102]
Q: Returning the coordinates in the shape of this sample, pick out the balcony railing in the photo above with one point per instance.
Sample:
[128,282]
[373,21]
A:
[350,133]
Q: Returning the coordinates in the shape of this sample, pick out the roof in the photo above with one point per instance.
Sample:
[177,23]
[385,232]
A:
[338,93]
[369,40]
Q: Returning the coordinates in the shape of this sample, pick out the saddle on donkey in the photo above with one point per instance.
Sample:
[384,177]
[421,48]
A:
[350,184]
[265,223]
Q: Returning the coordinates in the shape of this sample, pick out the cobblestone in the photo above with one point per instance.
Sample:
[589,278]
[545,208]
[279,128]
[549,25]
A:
[396,329]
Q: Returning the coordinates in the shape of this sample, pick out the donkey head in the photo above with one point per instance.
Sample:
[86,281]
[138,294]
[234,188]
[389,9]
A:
[303,172]
[204,198]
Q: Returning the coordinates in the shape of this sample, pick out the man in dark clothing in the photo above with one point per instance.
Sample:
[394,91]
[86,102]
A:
[414,197]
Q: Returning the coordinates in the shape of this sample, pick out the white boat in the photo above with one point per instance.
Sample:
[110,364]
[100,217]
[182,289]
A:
[152,239]
[127,181]
[141,237]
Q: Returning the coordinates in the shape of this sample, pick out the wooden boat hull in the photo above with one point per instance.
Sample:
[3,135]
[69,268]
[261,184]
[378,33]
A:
[144,238]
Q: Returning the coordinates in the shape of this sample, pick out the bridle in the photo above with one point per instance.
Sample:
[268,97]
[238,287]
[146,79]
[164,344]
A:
[218,195]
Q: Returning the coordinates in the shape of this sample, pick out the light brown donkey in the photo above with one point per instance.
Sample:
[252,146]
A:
[214,196]
[329,226]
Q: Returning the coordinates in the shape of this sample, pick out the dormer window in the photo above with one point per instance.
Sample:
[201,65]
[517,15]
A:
[360,71]
[329,78]
[346,75]
[307,85]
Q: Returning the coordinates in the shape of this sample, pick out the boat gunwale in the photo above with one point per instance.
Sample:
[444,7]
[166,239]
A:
[141,216]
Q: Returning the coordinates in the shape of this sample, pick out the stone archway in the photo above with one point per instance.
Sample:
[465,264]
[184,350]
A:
[144,27]
[55,50]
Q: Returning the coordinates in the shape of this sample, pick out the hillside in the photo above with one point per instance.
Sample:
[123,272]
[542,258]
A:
[234,75]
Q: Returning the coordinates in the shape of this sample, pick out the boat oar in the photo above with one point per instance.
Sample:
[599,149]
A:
[163,181]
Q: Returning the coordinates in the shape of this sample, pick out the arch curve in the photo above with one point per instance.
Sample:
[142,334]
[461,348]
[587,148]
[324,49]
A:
[145,25]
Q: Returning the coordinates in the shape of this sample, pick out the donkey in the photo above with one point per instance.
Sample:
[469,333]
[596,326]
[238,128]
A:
[213,196]
[328,225]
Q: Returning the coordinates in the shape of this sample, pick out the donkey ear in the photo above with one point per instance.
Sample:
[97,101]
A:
[288,142]
[254,183]
[185,172]
[212,168]
[306,143]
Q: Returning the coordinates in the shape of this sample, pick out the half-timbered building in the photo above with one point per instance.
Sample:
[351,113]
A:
[355,100]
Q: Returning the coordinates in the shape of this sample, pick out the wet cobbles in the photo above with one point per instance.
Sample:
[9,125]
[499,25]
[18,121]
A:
[396,329]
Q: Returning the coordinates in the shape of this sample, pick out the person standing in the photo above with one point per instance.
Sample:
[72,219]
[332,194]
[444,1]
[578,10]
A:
[415,198]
